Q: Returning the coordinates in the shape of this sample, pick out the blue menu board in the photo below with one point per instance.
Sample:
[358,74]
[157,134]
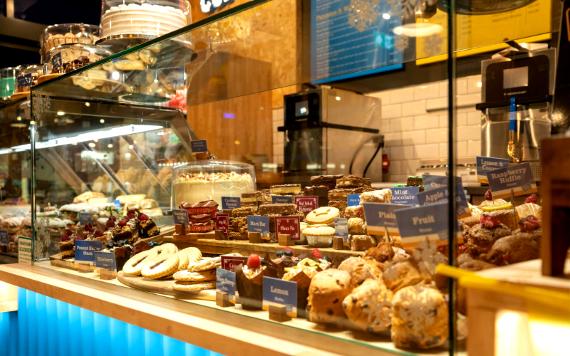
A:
[351,39]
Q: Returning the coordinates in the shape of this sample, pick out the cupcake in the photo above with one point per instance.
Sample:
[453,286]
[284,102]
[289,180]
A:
[249,279]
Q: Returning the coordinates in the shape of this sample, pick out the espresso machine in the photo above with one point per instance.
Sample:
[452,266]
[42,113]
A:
[517,89]
[331,131]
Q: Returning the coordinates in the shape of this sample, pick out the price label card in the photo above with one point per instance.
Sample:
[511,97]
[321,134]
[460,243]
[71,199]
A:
[515,179]
[223,223]
[231,262]
[199,146]
[381,218]
[105,260]
[279,292]
[353,200]
[226,282]
[180,216]
[441,195]
[488,164]
[418,223]
[230,203]
[282,199]
[257,223]
[24,250]
[405,195]
[85,218]
[288,225]
[306,204]
[341,227]
[4,238]
[85,250]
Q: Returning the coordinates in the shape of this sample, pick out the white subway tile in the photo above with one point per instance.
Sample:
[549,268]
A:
[474,84]
[397,125]
[443,150]
[474,118]
[474,148]
[468,100]
[414,108]
[461,119]
[393,139]
[442,88]
[426,91]
[461,86]
[442,119]
[401,95]
[401,152]
[397,178]
[396,167]
[277,115]
[461,149]
[391,111]
[428,151]
[436,135]
[410,166]
[416,137]
[436,104]
[425,121]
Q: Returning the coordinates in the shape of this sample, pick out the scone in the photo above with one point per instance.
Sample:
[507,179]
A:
[360,270]
[326,293]
[361,242]
[419,318]
[356,226]
[398,275]
[369,307]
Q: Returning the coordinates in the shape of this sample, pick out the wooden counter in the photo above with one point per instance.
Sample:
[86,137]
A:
[198,322]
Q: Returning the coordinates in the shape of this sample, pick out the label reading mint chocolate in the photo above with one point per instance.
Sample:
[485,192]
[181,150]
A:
[418,223]
[230,203]
[257,223]
[288,225]
[223,223]
[199,146]
[381,218]
[180,216]
[279,292]
[229,263]
[405,195]
[353,200]
[488,164]
[4,238]
[105,260]
[226,281]
[85,250]
[515,179]
[282,199]
[306,204]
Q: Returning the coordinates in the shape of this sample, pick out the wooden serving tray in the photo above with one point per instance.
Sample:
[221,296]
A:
[163,286]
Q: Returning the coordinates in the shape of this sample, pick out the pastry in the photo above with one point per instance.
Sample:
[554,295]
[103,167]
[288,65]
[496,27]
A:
[147,227]
[518,247]
[196,277]
[287,189]
[354,212]
[376,196]
[527,209]
[320,191]
[84,197]
[322,215]
[249,282]
[339,204]
[352,182]
[199,208]
[419,318]
[481,237]
[277,209]
[193,187]
[191,287]
[328,181]
[134,265]
[342,194]
[369,307]
[187,256]
[398,275]
[504,216]
[161,266]
[319,236]
[356,226]
[361,242]
[326,293]
[205,264]
[360,270]
[302,275]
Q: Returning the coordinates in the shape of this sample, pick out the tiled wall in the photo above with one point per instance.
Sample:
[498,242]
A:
[414,124]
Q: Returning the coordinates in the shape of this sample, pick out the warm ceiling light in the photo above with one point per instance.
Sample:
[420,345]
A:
[421,29]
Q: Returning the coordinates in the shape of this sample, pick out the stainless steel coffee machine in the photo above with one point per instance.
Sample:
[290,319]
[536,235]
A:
[517,88]
[332,131]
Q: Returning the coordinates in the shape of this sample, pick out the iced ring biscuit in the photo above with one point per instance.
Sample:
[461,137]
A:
[134,265]
[323,215]
[187,276]
[205,264]
[162,266]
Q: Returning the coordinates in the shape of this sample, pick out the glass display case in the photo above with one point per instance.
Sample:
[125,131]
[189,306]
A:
[116,155]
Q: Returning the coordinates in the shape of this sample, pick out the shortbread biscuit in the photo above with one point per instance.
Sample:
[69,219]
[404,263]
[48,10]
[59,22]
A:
[187,255]
[187,276]
[190,287]
[162,266]
[205,264]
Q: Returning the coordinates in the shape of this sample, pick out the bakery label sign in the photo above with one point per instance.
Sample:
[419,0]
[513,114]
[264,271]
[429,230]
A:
[223,223]
[4,239]
[257,223]
[418,223]
[85,250]
[229,263]
[353,200]
[341,227]
[207,6]
[105,260]
[226,282]
[441,195]
[180,216]
[288,225]
[515,179]
[405,195]
[230,203]
[488,164]
[24,250]
[306,204]
[85,218]
[199,146]
[281,199]
[279,292]
[381,218]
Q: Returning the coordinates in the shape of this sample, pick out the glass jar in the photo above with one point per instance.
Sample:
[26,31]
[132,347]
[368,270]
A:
[144,18]
[67,33]
[68,57]
[27,77]
[212,180]
[7,82]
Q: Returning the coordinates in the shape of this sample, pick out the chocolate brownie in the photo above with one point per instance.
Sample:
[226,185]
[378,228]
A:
[327,180]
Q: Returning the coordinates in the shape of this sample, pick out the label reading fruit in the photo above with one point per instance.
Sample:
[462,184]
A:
[4,239]
[353,200]
[223,223]
[180,216]
[381,218]
[418,223]
[85,250]
[105,260]
[229,203]
[231,262]
[515,179]
[199,146]
[282,199]
[257,223]
[306,204]
[405,195]
[288,225]
[226,282]
[279,292]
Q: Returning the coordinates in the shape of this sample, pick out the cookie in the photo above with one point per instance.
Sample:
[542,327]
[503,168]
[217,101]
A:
[187,255]
[351,181]
[161,266]
[326,293]
[369,307]
[277,209]
[322,215]
[167,248]
[187,276]
[190,287]
[135,264]
[289,189]
[205,264]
